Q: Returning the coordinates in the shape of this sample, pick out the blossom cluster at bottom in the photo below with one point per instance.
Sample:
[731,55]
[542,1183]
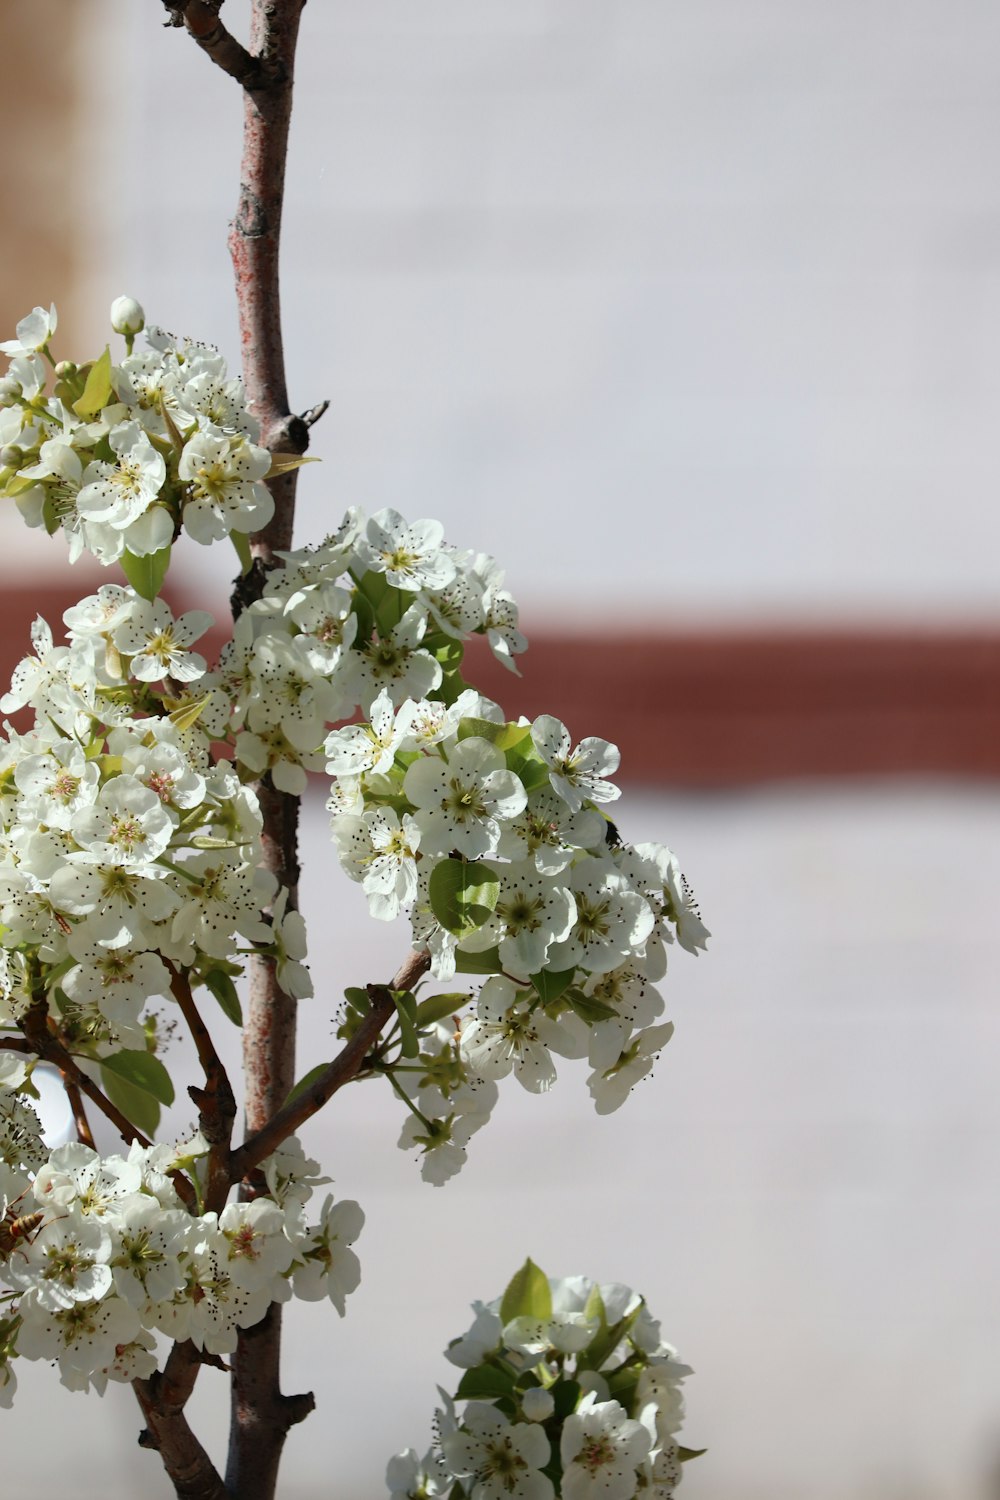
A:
[569,1392]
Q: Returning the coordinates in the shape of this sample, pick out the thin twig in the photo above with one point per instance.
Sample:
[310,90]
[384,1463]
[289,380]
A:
[202,22]
[345,1066]
[46,1045]
[84,1134]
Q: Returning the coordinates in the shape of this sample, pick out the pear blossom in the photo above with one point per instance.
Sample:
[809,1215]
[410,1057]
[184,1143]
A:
[158,644]
[459,802]
[575,774]
[410,554]
[502,1461]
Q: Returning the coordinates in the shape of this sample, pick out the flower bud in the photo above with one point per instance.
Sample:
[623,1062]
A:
[65,368]
[127,315]
[11,455]
[537,1404]
[10,388]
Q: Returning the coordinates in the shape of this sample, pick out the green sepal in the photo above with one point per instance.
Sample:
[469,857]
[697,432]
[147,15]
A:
[220,984]
[141,1070]
[550,984]
[136,1105]
[241,543]
[440,1007]
[146,574]
[97,388]
[306,1081]
[686,1454]
[485,1383]
[463,894]
[487,962]
[406,1010]
[527,1295]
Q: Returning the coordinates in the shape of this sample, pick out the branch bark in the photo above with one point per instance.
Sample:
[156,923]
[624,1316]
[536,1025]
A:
[261,1415]
[345,1066]
[162,1399]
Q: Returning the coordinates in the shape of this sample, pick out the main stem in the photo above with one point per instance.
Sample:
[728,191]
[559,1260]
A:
[261,1415]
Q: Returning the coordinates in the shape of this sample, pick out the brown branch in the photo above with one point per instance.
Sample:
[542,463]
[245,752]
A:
[16,1044]
[84,1133]
[261,1415]
[162,1398]
[46,1045]
[216,1102]
[201,19]
[345,1066]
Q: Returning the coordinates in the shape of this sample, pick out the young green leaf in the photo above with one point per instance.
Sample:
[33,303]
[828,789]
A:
[220,984]
[487,962]
[142,1071]
[135,1104]
[485,1383]
[463,894]
[550,985]
[97,388]
[440,1007]
[306,1081]
[527,1295]
[146,574]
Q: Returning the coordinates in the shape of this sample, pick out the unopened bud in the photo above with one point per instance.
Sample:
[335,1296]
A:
[11,455]
[65,368]
[127,315]
[10,388]
[537,1405]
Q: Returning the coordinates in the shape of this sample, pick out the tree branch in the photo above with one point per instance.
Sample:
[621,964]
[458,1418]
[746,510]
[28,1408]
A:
[216,1102]
[345,1066]
[261,1415]
[84,1134]
[43,1042]
[162,1399]
[201,19]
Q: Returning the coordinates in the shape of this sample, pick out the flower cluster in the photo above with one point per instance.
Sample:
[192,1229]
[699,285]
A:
[128,854]
[568,1390]
[100,1255]
[122,457]
[493,835]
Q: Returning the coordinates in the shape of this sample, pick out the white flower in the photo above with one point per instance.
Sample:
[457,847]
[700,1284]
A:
[575,774]
[158,644]
[459,801]
[118,494]
[258,1251]
[33,332]
[408,553]
[504,1035]
[612,920]
[126,824]
[224,484]
[368,749]
[601,1449]
[325,1266]
[504,1461]
[614,1077]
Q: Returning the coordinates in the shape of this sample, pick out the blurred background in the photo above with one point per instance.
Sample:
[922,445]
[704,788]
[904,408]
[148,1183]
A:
[688,311]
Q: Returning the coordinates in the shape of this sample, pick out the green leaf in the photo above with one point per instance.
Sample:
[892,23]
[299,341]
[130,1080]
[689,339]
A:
[587,1008]
[566,1394]
[220,984]
[485,1382]
[444,649]
[188,714]
[440,1007]
[241,542]
[606,1339]
[97,388]
[136,1105]
[306,1081]
[528,767]
[487,962]
[141,1070]
[527,1295]
[406,1010]
[463,894]
[453,685]
[505,736]
[146,574]
[550,984]
[686,1454]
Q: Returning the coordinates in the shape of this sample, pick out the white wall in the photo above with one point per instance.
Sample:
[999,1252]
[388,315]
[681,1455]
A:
[679,306]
